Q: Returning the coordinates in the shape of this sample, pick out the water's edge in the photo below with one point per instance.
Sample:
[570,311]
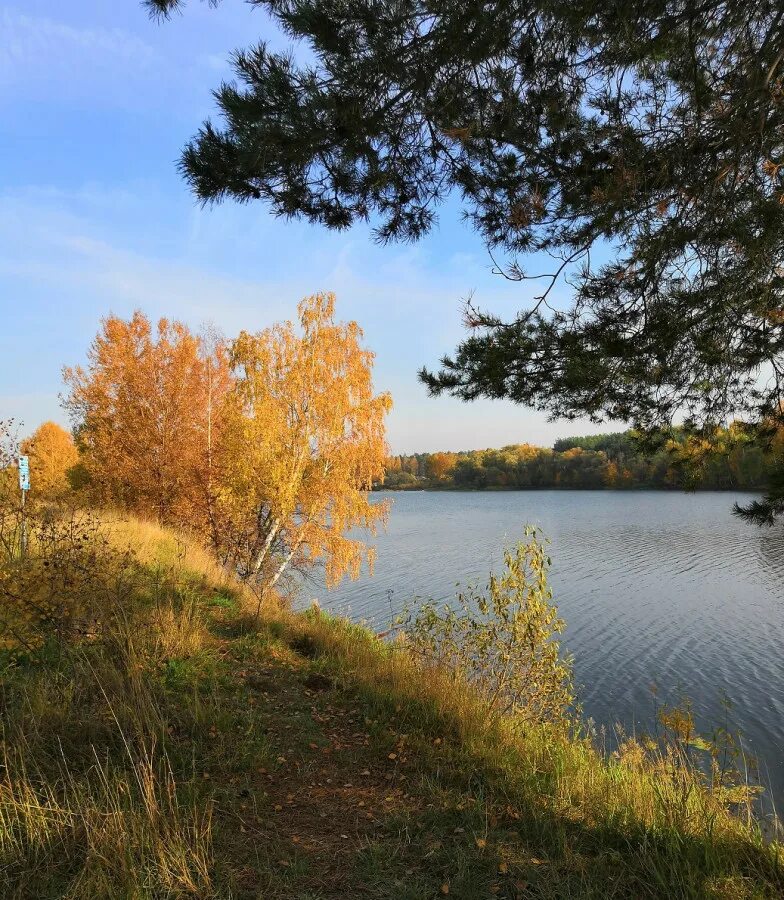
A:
[660,590]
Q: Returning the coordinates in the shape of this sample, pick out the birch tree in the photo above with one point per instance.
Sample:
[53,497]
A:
[304,443]
[146,412]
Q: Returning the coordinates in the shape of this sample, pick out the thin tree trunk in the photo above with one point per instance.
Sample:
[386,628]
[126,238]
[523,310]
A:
[282,567]
[265,548]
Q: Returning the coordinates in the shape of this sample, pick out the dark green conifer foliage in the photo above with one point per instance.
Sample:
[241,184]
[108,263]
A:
[634,146]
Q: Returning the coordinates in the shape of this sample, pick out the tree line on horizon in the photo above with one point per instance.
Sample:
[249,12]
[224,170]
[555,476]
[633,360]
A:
[731,461]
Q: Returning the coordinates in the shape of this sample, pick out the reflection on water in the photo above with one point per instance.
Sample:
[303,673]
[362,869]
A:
[657,588]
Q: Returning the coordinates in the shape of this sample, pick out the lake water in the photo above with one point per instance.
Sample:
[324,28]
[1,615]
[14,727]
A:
[657,588]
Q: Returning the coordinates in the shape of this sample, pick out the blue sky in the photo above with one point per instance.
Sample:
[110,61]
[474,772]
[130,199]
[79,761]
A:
[96,101]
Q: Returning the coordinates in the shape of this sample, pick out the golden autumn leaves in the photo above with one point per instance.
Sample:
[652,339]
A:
[146,411]
[305,441]
[53,465]
[265,445]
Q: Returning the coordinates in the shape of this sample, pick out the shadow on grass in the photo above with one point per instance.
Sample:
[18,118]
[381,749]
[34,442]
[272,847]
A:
[526,836]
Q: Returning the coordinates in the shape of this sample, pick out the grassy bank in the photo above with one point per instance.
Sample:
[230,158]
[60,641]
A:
[174,745]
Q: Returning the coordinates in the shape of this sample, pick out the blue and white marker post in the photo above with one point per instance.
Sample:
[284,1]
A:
[24,487]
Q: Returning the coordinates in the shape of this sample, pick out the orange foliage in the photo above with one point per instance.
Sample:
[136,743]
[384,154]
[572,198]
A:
[440,465]
[527,451]
[392,464]
[305,441]
[146,411]
[52,455]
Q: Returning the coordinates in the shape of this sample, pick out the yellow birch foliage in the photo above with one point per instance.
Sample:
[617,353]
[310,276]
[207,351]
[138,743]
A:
[146,410]
[52,455]
[304,443]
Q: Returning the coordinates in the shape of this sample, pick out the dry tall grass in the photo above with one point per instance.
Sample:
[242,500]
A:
[653,792]
[162,548]
[104,833]
[91,804]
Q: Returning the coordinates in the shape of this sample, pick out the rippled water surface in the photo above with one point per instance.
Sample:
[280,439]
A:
[657,588]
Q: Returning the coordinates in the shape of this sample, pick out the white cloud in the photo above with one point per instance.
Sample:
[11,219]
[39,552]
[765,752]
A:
[66,262]
[217,63]
[30,43]
[71,251]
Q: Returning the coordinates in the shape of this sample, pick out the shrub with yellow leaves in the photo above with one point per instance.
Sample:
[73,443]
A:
[505,640]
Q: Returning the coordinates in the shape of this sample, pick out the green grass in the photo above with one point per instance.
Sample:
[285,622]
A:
[191,751]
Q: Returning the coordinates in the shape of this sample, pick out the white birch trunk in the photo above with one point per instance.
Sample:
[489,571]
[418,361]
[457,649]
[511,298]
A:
[259,561]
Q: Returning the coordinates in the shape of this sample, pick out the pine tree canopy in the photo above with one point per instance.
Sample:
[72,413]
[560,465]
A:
[636,146]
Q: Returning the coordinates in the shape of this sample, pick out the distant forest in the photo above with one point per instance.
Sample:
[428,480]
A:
[590,462]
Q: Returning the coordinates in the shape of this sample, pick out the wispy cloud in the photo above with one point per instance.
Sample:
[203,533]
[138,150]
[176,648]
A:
[28,42]
[70,257]
[46,245]
[47,60]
